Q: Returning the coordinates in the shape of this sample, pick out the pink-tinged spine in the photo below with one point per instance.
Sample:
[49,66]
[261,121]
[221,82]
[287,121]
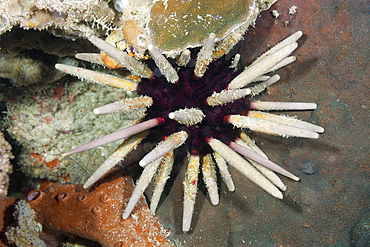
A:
[124,133]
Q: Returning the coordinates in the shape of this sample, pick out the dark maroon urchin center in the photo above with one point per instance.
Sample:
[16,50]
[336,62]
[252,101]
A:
[191,92]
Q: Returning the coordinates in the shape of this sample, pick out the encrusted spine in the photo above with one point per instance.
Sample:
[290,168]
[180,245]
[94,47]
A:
[164,66]
[170,143]
[125,106]
[269,127]
[244,167]
[187,116]
[227,96]
[184,58]
[134,66]
[97,77]
[142,183]
[190,190]
[161,178]
[121,152]
[209,177]
[204,56]
[225,174]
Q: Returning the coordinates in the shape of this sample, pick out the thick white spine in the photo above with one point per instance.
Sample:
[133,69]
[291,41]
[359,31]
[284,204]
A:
[204,57]
[126,147]
[261,67]
[187,116]
[173,141]
[210,179]
[225,174]
[141,185]
[161,178]
[289,40]
[190,190]
[164,66]
[97,77]
[227,96]
[276,106]
[269,127]
[125,106]
[285,120]
[135,66]
[269,174]
[244,167]
[283,63]
[261,160]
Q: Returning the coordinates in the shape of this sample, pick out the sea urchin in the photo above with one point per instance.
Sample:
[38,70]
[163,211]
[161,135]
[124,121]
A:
[197,108]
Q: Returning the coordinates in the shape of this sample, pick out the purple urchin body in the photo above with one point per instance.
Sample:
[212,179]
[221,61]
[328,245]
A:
[192,92]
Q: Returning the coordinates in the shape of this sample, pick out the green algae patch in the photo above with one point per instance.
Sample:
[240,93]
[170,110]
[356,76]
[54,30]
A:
[176,25]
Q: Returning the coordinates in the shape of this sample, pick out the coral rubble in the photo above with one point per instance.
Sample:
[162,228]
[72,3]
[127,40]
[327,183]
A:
[27,231]
[73,17]
[96,213]
[51,119]
[5,167]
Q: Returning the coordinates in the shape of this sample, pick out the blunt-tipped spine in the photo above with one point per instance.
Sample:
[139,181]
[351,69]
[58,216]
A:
[190,190]
[227,96]
[125,106]
[126,147]
[269,174]
[261,67]
[133,65]
[279,106]
[210,179]
[141,185]
[97,77]
[170,143]
[235,62]
[184,58]
[269,127]
[164,66]
[205,55]
[187,116]
[244,167]
[285,120]
[287,41]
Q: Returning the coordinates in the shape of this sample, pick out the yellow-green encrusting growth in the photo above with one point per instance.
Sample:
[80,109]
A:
[180,24]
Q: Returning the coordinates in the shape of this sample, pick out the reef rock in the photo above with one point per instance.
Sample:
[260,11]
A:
[52,119]
[71,16]
[5,167]
[27,230]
